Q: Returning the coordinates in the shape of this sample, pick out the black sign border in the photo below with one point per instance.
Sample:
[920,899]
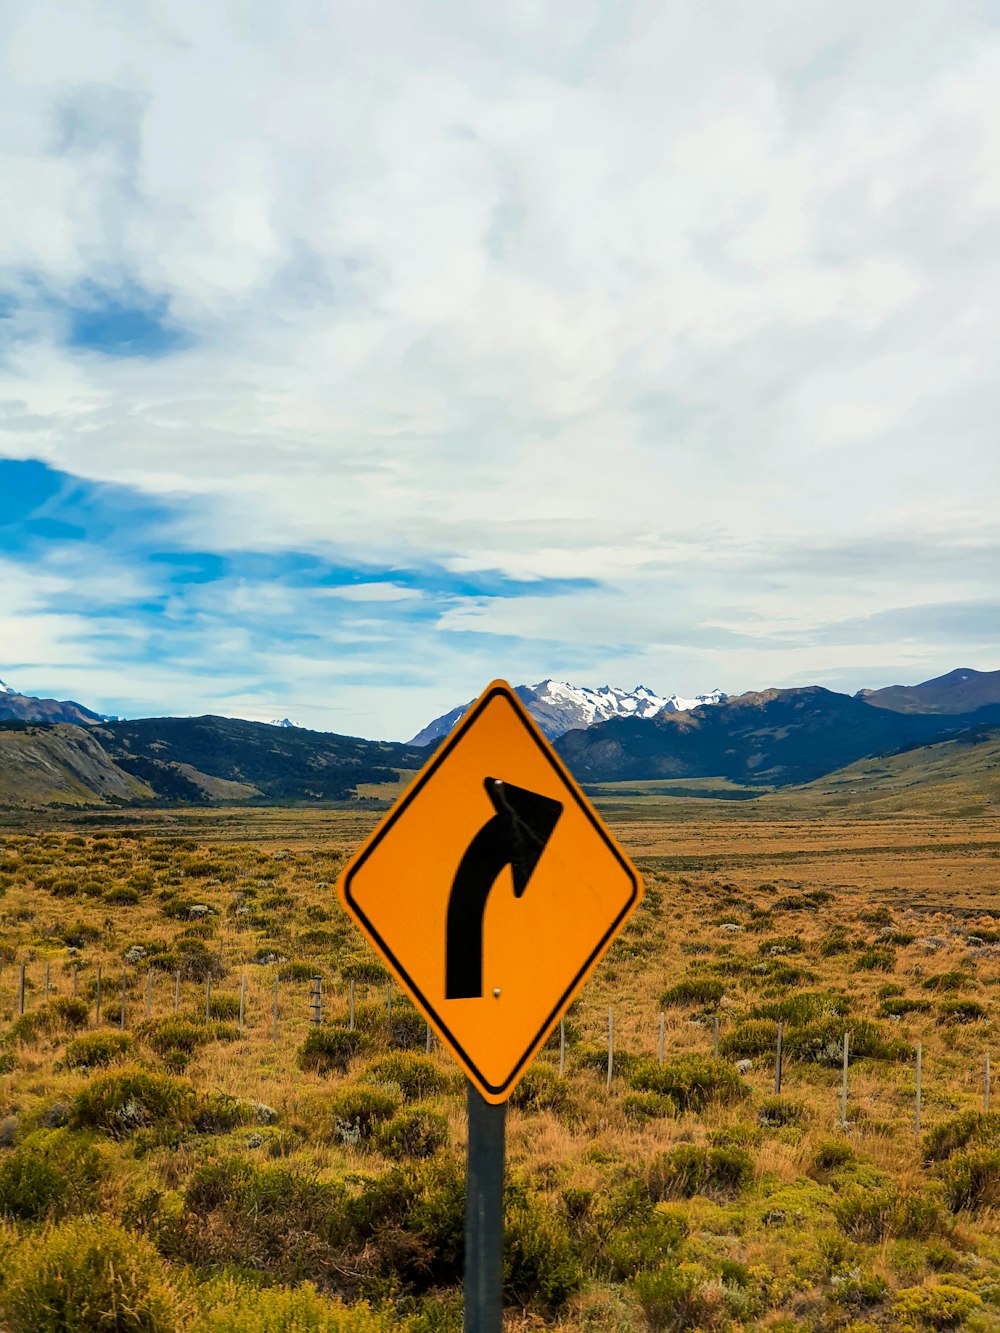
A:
[495,1089]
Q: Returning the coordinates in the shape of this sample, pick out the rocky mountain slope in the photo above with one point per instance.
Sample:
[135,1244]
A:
[961,691]
[775,737]
[26,708]
[61,764]
[559,707]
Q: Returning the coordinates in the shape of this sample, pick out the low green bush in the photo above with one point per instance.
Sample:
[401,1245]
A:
[94,1050]
[694,990]
[823,1042]
[245,1308]
[416,1076]
[541,1266]
[803,1007]
[748,1039]
[780,1112]
[873,1215]
[49,1174]
[975,1128]
[691,1169]
[961,1011]
[331,1049]
[642,1107]
[692,1081]
[413,1133]
[938,1306]
[875,960]
[898,1006]
[354,1115]
[88,1275]
[541,1089]
[677,1297]
[120,1103]
[971,1179]
[365,969]
[948,981]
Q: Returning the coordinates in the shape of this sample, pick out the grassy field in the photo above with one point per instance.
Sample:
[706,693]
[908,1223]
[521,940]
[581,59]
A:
[177,1172]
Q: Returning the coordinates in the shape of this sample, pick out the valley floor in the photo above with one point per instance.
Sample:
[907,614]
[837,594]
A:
[313,1179]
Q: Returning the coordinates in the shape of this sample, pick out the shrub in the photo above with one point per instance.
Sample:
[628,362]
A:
[972,1179]
[836,941]
[804,1007]
[970,1127]
[832,1154]
[694,990]
[693,1081]
[690,1169]
[875,960]
[541,1267]
[757,1037]
[72,1013]
[541,1089]
[934,1307]
[96,1049]
[823,1042]
[644,1106]
[122,897]
[947,981]
[961,1011]
[51,1173]
[90,1276]
[121,1103]
[328,1049]
[781,1112]
[355,1114]
[250,1309]
[413,1133]
[195,960]
[872,1215]
[296,971]
[416,1076]
[179,1034]
[224,1006]
[900,1005]
[365,969]
[677,1297]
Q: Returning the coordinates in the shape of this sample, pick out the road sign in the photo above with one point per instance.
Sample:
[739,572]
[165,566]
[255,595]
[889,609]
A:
[491,889]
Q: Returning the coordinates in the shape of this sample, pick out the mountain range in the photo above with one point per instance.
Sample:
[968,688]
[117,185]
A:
[54,752]
[559,707]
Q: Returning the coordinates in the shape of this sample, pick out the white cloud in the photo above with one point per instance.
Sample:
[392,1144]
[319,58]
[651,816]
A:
[620,291]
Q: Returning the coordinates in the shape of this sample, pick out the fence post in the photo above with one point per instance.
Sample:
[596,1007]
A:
[243,1000]
[350,1006]
[843,1083]
[611,1045]
[274,1011]
[20,991]
[986,1081]
[177,990]
[208,997]
[916,1116]
[715,1036]
[562,1046]
[316,1000]
[149,993]
[777,1059]
[97,1011]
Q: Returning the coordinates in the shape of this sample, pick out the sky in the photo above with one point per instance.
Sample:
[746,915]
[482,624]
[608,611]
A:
[355,354]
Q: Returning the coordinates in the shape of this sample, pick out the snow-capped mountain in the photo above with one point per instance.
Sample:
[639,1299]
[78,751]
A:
[559,707]
[282,722]
[6,689]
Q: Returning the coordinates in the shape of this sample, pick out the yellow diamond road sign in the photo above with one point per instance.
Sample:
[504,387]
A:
[491,890]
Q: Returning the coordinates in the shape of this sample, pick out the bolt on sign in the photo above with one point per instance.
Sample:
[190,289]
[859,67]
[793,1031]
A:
[491,889]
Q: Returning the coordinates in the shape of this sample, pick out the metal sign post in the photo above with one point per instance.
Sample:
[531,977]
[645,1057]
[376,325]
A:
[484,1214]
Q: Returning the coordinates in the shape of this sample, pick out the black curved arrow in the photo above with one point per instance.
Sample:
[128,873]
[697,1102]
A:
[515,836]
